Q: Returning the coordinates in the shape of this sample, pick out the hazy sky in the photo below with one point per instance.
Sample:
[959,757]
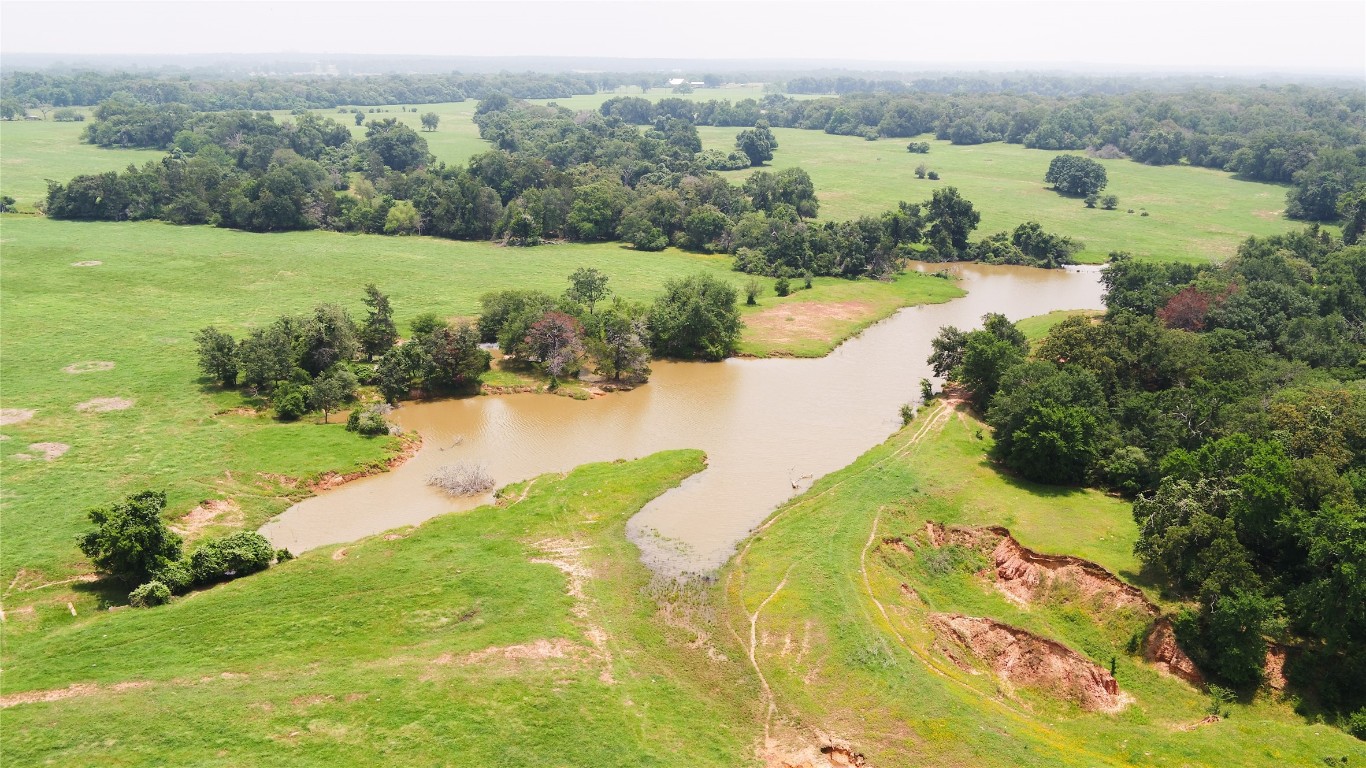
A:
[1302,36]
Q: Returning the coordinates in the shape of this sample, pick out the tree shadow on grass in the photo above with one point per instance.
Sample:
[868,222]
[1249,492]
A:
[1029,486]
[108,593]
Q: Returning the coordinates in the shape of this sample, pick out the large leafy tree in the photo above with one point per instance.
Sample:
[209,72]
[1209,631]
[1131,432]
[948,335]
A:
[217,356]
[131,541]
[757,143]
[695,318]
[951,219]
[1076,175]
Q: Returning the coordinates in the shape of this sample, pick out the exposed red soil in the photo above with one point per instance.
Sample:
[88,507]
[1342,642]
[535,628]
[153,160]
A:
[1161,650]
[1026,577]
[1019,658]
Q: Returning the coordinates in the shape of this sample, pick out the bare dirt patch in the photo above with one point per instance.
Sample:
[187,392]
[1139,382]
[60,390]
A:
[71,691]
[802,320]
[105,405]
[15,415]
[536,650]
[1019,658]
[50,451]
[209,512]
[89,366]
[86,263]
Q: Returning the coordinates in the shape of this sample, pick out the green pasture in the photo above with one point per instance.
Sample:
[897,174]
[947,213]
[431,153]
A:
[1195,214]
[31,152]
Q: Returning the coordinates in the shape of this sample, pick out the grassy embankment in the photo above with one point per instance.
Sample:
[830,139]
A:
[840,617]
[1196,214]
[519,634]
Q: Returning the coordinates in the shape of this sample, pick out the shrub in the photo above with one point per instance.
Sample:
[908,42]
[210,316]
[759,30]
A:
[369,422]
[806,279]
[752,289]
[283,555]
[1109,202]
[232,556]
[1356,724]
[425,323]
[918,147]
[149,594]
[176,575]
[926,390]
[781,286]
[1092,199]
[907,413]
[933,175]
[290,401]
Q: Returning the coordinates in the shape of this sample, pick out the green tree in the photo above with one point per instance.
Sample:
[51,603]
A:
[588,285]
[951,219]
[1352,211]
[1076,175]
[403,218]
[267,355]
[327,338]
[622,352]
[757,143]
[456,361]
[217,356]
[695,317]
[131,541]
[379,332]
[332,390]
[430,120]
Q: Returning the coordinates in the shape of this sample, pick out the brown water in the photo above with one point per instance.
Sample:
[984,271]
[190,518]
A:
[765,425]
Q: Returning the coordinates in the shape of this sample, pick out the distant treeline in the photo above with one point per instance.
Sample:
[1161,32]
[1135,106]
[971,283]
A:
[89,88]
[1312,138]
[552,174]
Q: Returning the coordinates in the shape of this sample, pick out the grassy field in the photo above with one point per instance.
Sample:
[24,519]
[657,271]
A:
[834,616]
[522,634]
[1196,214]
[32,152]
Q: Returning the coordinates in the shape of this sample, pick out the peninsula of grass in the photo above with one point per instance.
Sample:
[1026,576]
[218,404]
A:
[811,323]
[1195,214]
[526,633]
[834,610]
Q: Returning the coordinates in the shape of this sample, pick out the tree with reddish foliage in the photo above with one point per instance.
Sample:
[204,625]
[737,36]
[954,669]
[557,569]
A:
[556,341]
[1186,310]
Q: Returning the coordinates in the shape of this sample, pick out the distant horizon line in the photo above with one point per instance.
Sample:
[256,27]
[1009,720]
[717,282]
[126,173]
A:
[1083,68]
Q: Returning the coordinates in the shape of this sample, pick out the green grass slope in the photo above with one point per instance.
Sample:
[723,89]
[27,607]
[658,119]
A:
[1196,214]
[521,634]
[837,611]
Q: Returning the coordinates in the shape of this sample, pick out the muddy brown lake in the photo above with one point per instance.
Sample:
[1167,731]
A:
[769,428]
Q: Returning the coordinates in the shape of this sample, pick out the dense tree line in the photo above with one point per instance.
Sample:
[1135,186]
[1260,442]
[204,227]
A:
[270,93]
[1229,402]
[553,174]
[1313,138]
